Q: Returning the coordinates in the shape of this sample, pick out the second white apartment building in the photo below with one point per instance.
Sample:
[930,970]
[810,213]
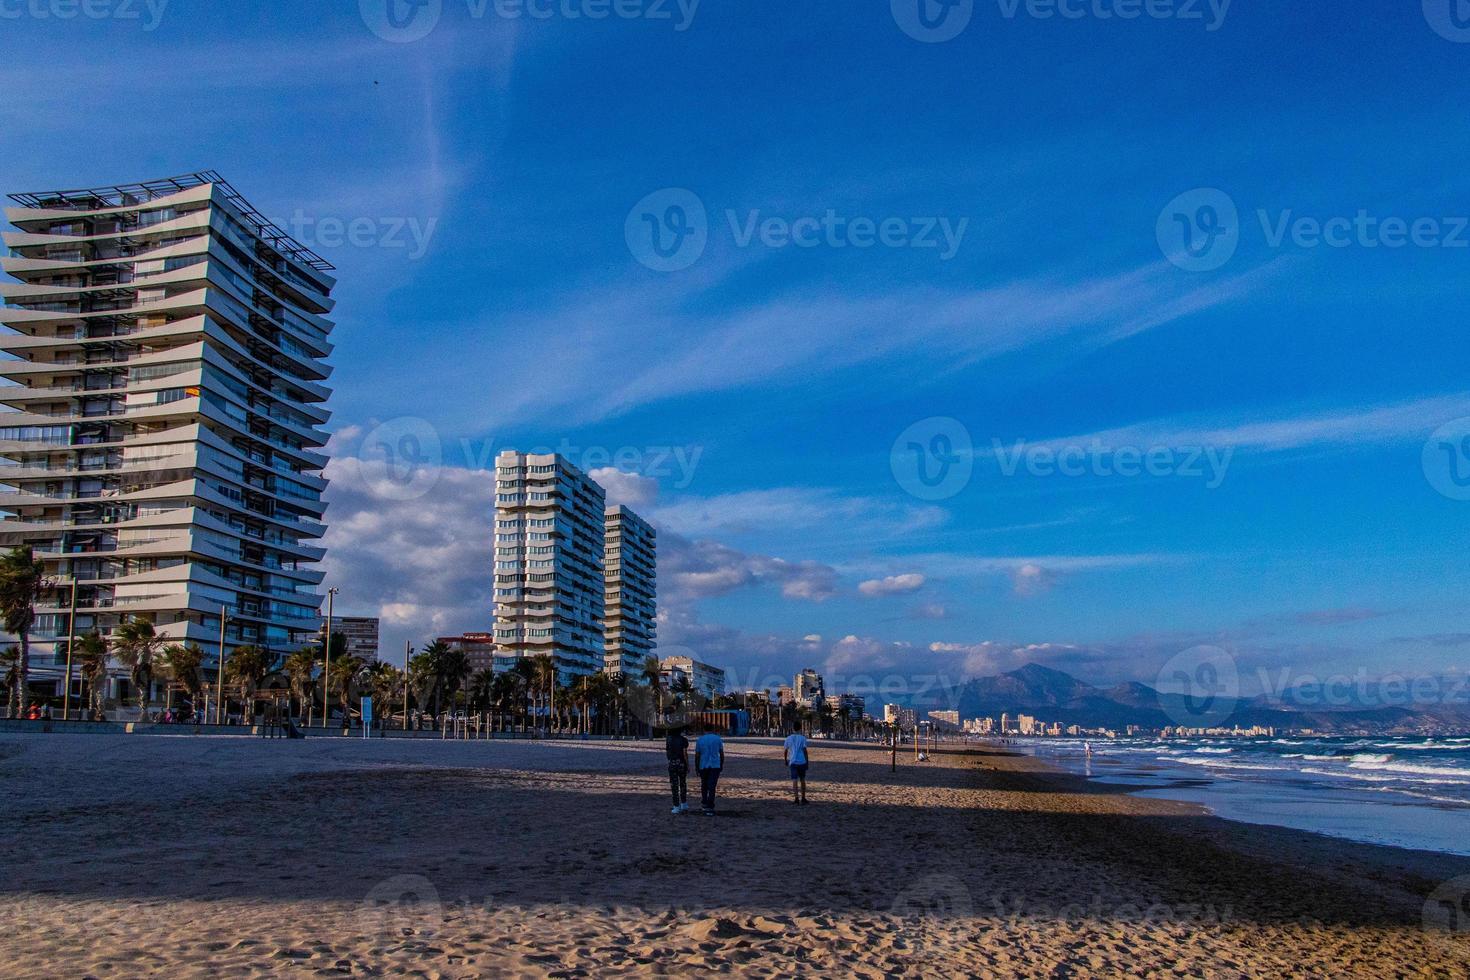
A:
[549,576]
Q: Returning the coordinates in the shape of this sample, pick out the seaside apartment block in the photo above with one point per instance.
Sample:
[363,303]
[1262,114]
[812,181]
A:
[359,634]
[549,587]
[707,680]
[163,447]
[630,562]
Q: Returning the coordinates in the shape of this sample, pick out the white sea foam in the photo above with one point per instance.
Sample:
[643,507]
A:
[1444,773]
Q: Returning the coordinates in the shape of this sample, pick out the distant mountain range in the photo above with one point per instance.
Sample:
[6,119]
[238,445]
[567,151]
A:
[1055,696]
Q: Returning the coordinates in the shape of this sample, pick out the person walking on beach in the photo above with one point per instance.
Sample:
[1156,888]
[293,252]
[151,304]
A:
[794,751]
[676,747]
[709,758]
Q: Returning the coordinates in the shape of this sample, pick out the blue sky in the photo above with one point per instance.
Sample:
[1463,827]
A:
[493,296]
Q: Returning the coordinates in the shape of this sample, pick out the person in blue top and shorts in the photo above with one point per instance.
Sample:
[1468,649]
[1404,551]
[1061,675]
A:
[709,759]
[798,758]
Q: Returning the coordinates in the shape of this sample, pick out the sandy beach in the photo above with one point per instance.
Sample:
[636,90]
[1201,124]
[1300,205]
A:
[132,856]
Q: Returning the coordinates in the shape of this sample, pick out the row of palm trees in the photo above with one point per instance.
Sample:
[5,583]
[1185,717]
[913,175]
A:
[439,678]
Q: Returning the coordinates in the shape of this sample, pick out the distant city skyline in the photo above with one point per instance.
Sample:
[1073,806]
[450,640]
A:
[863,453]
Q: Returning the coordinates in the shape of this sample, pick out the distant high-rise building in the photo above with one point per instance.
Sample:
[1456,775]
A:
[550,522]
[165,445]
[808,688]
[359,632]
[630,566]
[948,717]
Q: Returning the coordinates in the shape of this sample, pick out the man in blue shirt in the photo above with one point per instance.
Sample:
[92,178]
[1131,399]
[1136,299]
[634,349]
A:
[795,752]
[709,759]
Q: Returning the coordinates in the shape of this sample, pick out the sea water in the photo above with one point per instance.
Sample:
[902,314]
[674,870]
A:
[1403,792]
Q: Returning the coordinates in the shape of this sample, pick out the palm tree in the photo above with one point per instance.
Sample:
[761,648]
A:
[22,579]
[345,672]
[599,695]
[508,691]
[299,668]
[92,655]
[184,663]
[682,700]
[652,674]
[385,681]
[543,677]
[425,678]
[526,688]
[454,668]
[10,663]
[482,690]
[246,667]
[135,644]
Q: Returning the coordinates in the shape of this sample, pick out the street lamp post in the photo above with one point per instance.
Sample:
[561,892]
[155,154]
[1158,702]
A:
[219,681]
[327,663]
[407,652]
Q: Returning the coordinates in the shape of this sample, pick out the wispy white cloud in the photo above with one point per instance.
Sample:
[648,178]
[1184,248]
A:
[1341,428]
[892,585]
[794,508]
[602,340]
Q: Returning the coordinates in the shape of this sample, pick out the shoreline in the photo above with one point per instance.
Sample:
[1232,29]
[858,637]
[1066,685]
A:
[561,859]
[1255,793]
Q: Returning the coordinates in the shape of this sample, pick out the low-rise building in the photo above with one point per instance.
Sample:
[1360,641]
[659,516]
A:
[479,649]
[707,680]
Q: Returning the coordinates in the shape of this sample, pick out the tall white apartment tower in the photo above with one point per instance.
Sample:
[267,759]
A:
[163,444]
[548,563]
[630,564]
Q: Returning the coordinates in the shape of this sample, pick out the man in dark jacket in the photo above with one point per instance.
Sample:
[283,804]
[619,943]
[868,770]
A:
[676,747]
